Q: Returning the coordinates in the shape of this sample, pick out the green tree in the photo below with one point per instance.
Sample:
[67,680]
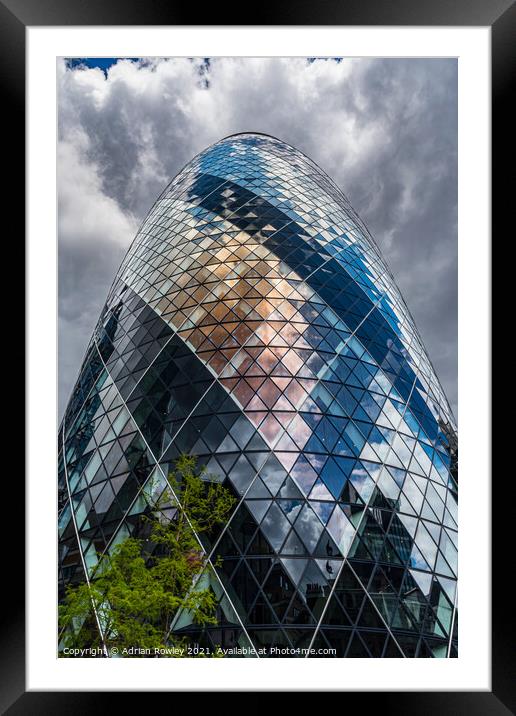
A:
[136,590]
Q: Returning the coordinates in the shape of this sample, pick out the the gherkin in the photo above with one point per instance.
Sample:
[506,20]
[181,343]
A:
[254,323]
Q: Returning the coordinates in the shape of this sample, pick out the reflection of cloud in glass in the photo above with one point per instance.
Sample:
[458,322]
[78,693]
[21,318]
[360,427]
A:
[275,526]
[341,530]
[426,544]
[308,527]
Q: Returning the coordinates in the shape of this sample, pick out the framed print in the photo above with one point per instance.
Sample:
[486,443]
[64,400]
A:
[267,247]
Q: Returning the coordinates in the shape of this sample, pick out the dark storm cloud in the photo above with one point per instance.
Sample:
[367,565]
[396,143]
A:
[384,130]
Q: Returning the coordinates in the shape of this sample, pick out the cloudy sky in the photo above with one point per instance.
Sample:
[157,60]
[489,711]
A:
[384,130]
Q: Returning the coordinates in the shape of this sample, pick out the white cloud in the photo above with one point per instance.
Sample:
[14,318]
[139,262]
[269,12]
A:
[86,213]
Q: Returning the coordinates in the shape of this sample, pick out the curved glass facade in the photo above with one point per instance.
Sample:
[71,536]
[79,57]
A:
[254,323]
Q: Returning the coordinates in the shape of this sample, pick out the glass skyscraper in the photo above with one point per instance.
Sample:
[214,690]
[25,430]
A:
[254,323]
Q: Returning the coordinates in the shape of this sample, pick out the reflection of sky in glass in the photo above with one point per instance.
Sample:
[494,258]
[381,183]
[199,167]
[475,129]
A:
[254,323]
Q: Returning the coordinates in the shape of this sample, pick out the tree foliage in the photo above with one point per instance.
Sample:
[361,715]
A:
[136,589]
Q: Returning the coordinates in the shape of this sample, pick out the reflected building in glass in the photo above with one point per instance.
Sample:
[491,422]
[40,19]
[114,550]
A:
[254,323]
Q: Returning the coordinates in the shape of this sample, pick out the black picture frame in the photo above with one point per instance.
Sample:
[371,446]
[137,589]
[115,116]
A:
[15,16]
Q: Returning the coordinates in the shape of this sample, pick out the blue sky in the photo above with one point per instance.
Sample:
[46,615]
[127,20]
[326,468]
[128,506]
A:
[103,63]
